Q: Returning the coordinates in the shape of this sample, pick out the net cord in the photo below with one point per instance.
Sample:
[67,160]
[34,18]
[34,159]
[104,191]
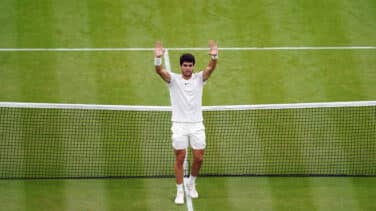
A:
[168,108]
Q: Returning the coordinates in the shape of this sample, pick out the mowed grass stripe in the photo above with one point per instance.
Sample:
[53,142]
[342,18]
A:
[358,18]
[106,23]
[245,78]
[11,78]
[289,193]
[110,71]
[74,70]
[37,73]
[299,69]
[348,72]
[71,24]
[365,63]
[341,77]
[303,79]
[329,65]
[9,74]
[327,197]
[38,84]
[34,24]
[81,194]
[271,75]
[257,196]
[213,194]
[43,194]
[153,21]
[76,79]
[8,29]
[243,26]
[249,193]
[12,195]
[364,190]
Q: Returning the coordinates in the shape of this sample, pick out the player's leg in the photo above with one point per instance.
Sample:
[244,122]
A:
[179,175]
[198,158]
[179,161]
[180,144]
[198,144]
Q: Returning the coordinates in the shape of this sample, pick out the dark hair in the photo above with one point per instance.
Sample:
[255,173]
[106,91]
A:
[187,57]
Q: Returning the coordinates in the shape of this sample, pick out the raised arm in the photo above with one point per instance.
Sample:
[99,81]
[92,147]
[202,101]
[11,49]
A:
[158,53]
[213,60]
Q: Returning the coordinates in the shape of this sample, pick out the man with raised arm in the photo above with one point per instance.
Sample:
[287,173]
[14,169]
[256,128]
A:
[187,122]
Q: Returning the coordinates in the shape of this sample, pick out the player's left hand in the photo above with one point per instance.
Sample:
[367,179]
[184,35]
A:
[213,48]
[158,50]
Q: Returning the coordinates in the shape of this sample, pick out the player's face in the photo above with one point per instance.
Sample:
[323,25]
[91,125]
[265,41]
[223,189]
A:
[187,69]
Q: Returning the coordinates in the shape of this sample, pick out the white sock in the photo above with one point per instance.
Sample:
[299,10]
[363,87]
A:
[192,179]
[179,187]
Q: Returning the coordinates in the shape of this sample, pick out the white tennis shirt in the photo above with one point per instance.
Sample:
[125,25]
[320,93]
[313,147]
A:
[186,97]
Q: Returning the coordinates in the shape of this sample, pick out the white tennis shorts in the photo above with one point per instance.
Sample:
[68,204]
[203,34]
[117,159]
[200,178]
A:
[184,133]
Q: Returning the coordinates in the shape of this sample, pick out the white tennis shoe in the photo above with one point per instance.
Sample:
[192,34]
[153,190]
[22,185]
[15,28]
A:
[179,197]
[192,190]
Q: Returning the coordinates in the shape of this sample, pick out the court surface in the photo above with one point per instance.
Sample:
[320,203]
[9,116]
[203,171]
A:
[218,193]
[99,52]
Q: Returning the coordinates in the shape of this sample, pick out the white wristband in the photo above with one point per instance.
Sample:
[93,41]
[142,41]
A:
[214,57]
[157,61]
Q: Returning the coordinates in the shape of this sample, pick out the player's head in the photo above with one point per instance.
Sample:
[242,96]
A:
[187,57]
[187,63]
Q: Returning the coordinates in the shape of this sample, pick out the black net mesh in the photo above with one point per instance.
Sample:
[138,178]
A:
[86,143]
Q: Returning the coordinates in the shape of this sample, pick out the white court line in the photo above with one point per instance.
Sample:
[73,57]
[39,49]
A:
[196,49]
[187,196]
[282,48]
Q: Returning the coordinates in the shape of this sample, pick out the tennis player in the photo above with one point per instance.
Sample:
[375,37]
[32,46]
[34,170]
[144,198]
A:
[187,121]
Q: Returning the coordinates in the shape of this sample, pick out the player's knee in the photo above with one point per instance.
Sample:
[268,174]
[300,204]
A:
[198,159]
[180,158]
[180,162]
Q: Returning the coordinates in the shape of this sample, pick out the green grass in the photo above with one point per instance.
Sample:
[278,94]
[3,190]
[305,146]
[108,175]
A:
[255,193]
[129,78]
[242,77]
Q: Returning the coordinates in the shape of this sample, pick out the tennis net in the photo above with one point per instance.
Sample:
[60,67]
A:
[98,141]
